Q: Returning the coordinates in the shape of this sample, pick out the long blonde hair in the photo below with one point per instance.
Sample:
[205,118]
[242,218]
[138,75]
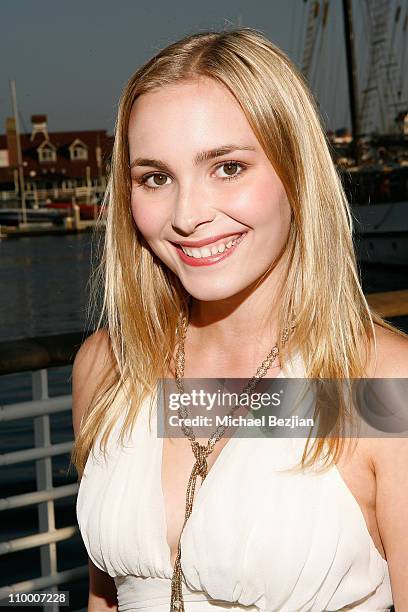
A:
[143,299]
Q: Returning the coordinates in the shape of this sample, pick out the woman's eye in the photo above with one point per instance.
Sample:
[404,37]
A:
[230,169]
[154,181]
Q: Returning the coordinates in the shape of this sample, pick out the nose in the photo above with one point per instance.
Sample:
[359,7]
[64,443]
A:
[191,209]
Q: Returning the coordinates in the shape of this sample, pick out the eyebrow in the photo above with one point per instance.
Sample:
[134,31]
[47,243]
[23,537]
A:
[199,158]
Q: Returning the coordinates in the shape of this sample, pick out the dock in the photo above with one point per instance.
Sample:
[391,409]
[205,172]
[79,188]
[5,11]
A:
[389,304]
[47,229]
[71,225]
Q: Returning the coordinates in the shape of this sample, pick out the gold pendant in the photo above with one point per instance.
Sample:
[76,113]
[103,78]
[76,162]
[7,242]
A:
[199,468]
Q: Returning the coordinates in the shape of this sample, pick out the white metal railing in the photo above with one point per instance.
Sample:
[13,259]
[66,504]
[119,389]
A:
[48,535]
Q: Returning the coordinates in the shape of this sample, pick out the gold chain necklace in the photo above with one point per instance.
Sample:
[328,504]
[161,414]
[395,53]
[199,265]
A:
[201,451]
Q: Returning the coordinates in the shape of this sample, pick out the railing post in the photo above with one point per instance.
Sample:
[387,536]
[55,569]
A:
[46,516]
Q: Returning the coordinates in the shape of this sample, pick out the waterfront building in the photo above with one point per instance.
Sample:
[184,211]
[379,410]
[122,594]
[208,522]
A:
[56,165]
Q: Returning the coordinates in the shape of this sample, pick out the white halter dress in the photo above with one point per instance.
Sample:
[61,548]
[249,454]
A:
[258,539]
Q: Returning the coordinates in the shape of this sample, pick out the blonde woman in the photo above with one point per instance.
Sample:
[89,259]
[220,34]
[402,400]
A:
[228,248]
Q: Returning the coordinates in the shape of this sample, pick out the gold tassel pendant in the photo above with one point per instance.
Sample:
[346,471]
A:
[199,469]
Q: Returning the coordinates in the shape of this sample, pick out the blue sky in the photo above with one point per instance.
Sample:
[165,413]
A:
[71,58]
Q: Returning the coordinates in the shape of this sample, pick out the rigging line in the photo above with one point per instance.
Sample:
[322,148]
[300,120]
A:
[375,94]
[332,96]
[392,54]
[319,64]
[398,29]
[293,39]
[302,31]
[391,73]
[365,110]
[342,115]
[363,66]
[310,38]
[326,73]
[316,57]
[360,44]
[391,98]
[368,35]
[366,21]
[404,43]
[400,54]
[376,64]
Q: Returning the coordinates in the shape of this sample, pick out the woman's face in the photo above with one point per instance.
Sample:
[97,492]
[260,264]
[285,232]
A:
[200,180]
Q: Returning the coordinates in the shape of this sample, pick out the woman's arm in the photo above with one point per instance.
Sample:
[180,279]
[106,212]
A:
[91,363]
[390,460]
[102,591]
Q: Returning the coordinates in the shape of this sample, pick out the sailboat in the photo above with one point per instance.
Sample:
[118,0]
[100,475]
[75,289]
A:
[373,160]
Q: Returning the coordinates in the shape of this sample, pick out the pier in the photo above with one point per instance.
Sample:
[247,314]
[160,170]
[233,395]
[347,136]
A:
[389,304]
[72,224]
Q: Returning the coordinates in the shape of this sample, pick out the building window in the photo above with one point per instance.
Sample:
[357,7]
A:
[79,153]
[4,158]
[47,154]
[78,150]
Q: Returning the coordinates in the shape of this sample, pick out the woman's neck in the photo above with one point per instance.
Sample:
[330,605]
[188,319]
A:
[248,317]
[235,334]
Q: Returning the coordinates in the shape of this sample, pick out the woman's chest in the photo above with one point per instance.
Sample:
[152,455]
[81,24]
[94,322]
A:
[177,477]
[177,461]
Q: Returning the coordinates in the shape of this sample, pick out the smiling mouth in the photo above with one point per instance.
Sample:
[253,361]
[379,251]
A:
[204,256]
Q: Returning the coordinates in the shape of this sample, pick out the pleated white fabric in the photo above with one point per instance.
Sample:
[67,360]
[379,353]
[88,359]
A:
[258,539]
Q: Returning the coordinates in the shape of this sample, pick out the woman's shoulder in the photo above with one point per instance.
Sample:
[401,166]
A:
[390,359]
[389,452]
[93,362]
[388,458]
[96,347]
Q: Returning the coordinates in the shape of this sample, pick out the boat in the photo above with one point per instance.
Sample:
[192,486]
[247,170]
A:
[382,233]
[15,216]
[87,211]
[373,159]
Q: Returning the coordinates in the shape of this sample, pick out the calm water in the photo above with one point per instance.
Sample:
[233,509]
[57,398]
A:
[44,284]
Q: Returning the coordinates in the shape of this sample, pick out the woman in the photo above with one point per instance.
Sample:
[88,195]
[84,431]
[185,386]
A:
[228,233]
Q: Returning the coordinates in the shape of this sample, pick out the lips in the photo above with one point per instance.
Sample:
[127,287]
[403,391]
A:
[211,240]
[212,259]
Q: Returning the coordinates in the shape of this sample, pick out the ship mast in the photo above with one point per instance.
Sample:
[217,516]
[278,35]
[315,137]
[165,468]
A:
[351,75]
[19,154]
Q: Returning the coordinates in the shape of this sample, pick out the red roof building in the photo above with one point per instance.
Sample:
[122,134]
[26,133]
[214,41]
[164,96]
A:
[54,161]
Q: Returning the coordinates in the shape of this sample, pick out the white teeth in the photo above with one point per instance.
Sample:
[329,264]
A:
[207,251]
